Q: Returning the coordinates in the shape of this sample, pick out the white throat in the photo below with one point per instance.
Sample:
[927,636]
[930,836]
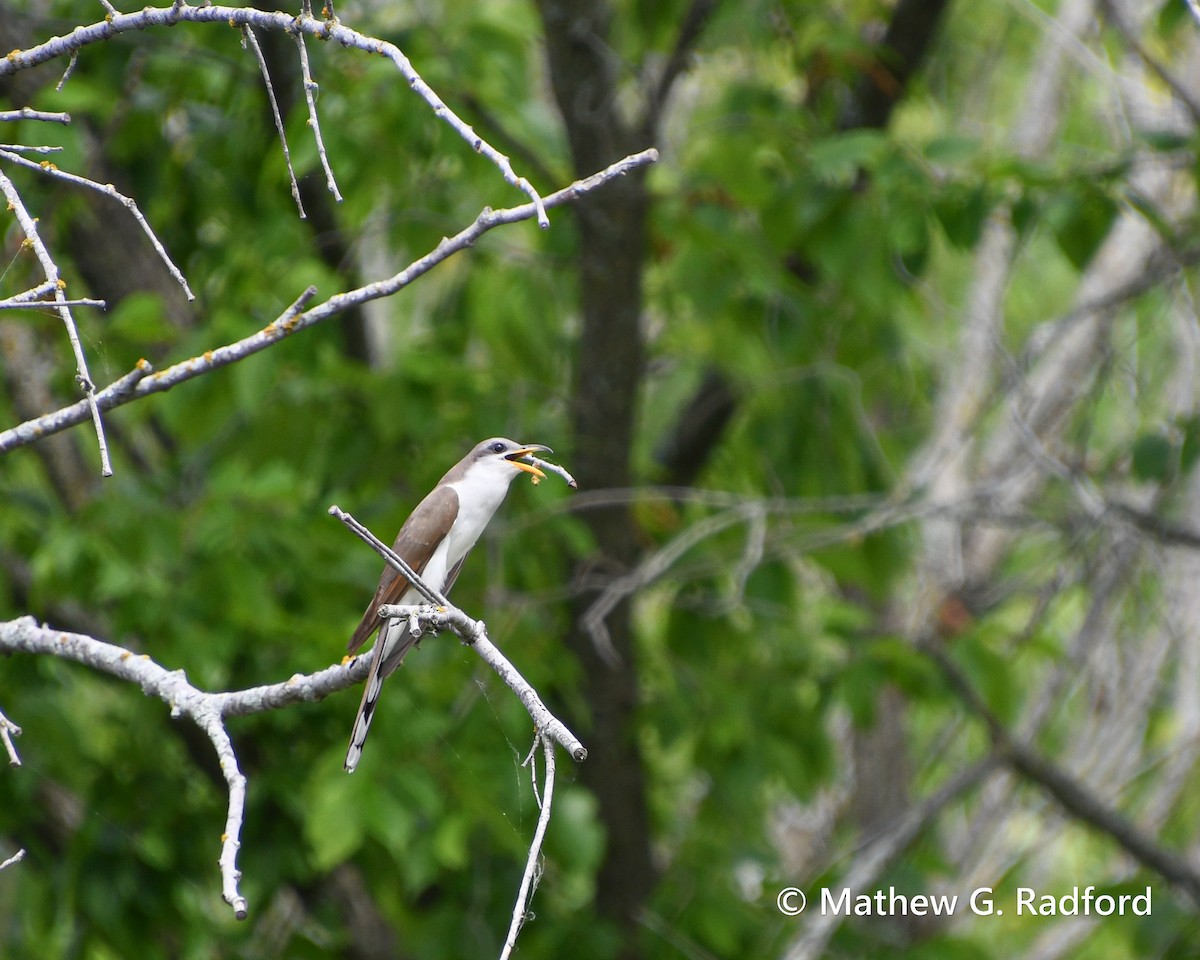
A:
[480,493]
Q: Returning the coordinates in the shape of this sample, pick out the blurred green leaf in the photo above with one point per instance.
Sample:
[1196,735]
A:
[1154,457]
[838,159]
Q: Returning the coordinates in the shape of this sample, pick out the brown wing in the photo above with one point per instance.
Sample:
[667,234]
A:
[453,574]
[415,543]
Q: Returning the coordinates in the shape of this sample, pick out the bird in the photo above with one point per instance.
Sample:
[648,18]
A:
[434,541]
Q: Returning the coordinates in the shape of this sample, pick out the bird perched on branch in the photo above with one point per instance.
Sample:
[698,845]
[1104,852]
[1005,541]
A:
[434,541]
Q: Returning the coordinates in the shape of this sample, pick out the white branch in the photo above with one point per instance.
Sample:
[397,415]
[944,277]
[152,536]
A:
[207,710]
[62,81]
[8,730]
[27,297]
[25,113]
[50,170]
[310,88]
[29,148]
[22,301]
[209,719]
[529,879]
[251,41]
[50,269]
[293,320]
[118,23]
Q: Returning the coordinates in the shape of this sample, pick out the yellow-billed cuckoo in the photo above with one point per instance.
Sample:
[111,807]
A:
[434,541]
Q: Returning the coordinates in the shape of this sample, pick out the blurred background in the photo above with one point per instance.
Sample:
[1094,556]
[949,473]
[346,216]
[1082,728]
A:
[881,391]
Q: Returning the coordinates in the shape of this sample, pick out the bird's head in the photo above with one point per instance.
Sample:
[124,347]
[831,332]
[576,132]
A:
[503,457]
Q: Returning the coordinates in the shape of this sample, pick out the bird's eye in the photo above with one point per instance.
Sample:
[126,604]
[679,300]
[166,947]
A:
[497,447]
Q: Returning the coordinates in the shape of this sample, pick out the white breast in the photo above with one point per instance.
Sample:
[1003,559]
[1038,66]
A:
[480,493]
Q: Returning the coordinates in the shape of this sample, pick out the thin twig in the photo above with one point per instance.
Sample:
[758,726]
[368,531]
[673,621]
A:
[26,113]
[310,89]
[62,81]
[649,570]
[117,23]
[212,723]
[50,269]
[15,858]
[252,42]
[50,170]
[206,710]
[533,872]
[29,296]
[8,730]
[22,301]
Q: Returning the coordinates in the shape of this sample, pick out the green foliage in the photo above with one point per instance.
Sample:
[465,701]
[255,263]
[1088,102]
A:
[822,270]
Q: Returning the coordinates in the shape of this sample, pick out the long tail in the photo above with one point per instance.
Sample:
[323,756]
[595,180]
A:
[366,708]
[393,643]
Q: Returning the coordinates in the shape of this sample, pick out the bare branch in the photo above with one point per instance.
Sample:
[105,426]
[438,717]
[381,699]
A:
[118,23]
[646,572]
[50,269]
[310,88]
[292,320]
[750,511]
[207,710]
[529,879]
[210,710]
[26,303]
[251,41]
[15,858]
[173,689]
[62,81]
[29,296]
[8,730]
[26,148]
[118,392]
[50,170]
[435,597]
[209,719]
[26,113]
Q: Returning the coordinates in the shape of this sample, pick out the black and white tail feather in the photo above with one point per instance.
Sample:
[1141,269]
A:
[394,641]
